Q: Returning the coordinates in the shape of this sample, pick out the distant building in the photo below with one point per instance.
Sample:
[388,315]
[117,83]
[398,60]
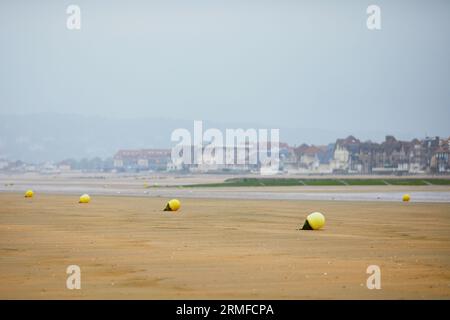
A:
[64,166]
[234,159]
[344,155]
[243,158]
[307,159]
[390,157]
[142,159]
[440,161]
[3,164]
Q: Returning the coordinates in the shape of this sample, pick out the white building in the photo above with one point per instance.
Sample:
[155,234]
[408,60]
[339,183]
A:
[340,159]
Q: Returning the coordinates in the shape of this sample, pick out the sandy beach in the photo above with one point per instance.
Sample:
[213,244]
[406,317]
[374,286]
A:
[128,248]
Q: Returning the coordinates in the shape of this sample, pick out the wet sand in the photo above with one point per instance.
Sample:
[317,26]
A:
[166,185]
[128,248]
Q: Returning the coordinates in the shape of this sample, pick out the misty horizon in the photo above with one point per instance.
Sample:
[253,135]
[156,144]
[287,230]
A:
[311,69]
[54,137]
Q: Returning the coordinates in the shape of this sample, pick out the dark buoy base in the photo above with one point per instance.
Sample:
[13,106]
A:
[306,226]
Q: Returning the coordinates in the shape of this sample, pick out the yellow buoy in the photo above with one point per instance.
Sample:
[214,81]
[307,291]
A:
[406,197]
[85,198]
[314,221]
[29,194]
[173,205]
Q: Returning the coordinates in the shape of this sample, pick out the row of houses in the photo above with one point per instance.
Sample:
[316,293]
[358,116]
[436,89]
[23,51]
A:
[392,156]
[234,159]
[345,156]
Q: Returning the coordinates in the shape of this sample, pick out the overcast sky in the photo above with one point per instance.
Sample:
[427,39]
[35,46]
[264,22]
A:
[297,64]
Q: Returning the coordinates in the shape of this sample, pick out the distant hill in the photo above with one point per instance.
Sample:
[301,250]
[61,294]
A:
[44,137]
[54,137]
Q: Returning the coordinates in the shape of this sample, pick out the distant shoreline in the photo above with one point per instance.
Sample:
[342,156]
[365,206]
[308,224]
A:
[325,181]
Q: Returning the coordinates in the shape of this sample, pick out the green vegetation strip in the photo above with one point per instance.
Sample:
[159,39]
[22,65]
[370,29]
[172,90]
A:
[279,182]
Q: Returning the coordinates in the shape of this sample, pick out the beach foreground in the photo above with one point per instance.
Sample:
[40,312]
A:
[128,248]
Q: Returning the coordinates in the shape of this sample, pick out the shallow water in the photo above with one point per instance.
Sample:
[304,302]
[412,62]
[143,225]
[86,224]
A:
[235,193]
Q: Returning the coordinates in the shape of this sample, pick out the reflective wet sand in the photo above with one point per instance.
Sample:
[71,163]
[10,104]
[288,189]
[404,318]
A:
[165,185]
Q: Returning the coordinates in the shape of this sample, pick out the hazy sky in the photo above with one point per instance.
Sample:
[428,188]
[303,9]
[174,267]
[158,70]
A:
[298,64]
